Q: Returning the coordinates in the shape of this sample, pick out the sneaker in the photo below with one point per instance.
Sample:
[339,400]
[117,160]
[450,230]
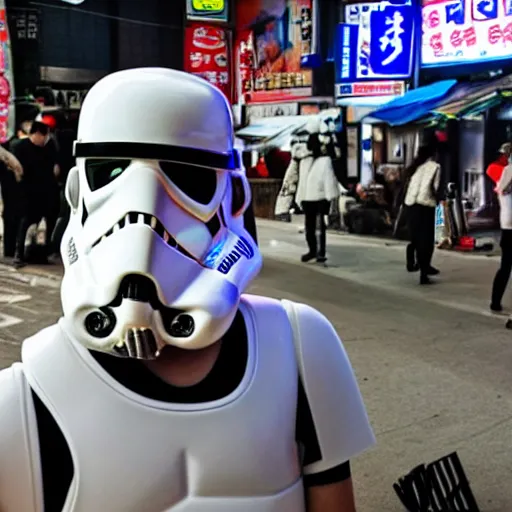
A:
[432,271]
[321,259]
[307,257]
[412,267]
[425,280]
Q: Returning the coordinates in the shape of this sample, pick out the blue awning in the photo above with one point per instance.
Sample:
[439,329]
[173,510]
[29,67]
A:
[413,105]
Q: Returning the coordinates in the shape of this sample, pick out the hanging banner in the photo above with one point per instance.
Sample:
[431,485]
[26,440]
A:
[24,25]
[274,37]
[207,54]
[378,39]
[207,10]
[466,31]
[7,113]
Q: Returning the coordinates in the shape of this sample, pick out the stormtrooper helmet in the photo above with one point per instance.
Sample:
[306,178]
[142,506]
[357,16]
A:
[155,252]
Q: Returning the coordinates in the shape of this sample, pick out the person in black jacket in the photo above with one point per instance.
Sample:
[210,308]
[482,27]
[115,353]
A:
[38,186]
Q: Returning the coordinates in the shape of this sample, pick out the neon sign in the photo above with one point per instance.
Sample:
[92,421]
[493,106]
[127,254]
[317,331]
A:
[465,31]
[210,6]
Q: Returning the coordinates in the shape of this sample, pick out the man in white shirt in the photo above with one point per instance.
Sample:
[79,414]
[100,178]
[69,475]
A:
[504,191]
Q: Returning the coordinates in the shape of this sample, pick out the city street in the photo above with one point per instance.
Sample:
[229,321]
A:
[432,363]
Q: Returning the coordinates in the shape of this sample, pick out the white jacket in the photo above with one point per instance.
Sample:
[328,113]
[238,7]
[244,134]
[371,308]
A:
[424,184]
[317,182]
[504,191]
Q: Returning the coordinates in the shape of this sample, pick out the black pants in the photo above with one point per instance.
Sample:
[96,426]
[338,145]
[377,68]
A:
[314,212]
[422,231]
[26,221]
[11,225]
[502,276]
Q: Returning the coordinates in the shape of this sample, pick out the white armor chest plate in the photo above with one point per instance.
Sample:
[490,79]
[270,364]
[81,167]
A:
[132,454]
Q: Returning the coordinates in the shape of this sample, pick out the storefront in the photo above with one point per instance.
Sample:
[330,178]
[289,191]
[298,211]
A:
[374,60]
[275,50]
[471,42]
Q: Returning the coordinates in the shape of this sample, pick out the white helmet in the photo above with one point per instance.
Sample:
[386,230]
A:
[155,252]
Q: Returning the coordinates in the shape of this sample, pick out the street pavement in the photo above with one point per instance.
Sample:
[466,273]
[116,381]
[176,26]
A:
[432,363]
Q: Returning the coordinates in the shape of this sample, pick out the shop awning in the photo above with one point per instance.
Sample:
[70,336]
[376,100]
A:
[413,105]
[270,127]
[270,131]
[474,99]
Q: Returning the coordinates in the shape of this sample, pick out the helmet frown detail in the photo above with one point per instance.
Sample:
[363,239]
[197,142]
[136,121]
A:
[155,252]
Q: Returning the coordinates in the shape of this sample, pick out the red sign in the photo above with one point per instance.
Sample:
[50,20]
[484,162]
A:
[4,36]
[268,63]
[207,54]
[389,88]
[5,96]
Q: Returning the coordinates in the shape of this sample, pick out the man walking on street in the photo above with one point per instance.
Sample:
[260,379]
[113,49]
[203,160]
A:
[37,186]
[504,191]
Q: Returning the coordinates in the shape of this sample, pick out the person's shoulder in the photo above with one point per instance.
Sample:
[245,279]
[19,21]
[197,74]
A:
[337,408]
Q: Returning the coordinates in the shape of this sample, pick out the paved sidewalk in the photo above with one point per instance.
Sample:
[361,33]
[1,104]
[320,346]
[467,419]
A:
[464,283]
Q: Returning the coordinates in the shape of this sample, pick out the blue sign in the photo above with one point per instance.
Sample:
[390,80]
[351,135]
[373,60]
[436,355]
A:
[376,42]
[439,222]
[345,57]
[391,42]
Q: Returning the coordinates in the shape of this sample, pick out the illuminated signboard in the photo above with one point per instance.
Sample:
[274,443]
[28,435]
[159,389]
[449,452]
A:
[211,6]
[381,88]
[465,31]
[211,10]
[376,41]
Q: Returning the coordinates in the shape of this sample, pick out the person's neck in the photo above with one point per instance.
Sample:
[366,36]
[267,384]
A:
[184,368]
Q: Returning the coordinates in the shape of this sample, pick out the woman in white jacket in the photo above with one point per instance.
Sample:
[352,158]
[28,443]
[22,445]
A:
[317,187]
[421,201]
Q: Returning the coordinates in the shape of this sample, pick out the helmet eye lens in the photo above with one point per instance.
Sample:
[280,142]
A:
[197,183]
[102,172]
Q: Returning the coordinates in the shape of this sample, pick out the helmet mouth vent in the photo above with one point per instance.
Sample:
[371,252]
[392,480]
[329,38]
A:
[137,344]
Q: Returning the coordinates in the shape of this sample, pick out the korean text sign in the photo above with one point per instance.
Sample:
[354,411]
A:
[207,55]
[384,41]
[465,31]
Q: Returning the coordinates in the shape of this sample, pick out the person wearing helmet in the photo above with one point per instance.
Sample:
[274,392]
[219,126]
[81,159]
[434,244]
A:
[163,386]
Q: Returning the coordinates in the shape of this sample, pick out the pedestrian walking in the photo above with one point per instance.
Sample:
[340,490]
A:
[421,199]
[317,188]
[38,187]
[504,192]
